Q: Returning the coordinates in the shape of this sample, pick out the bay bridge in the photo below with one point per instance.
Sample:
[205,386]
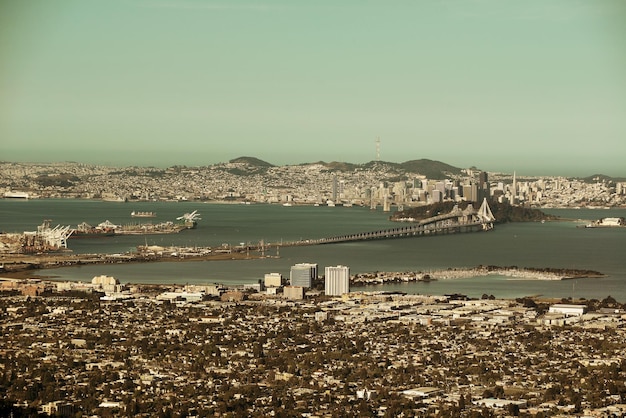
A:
[457,220]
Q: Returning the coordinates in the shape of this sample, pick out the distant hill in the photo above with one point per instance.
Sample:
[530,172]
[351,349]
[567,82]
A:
[251,161]
[602,178]
[435,170]
[247,166]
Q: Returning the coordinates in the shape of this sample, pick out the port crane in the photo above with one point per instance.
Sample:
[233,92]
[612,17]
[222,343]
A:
[190,217]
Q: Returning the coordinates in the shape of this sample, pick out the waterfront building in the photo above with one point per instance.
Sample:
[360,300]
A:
[303,274]
[337,280]
[273,280]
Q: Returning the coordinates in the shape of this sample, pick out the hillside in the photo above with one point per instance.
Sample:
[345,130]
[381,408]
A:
[252,161]
[435,170]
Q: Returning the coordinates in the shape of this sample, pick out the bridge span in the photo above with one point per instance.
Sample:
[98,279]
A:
[457,220]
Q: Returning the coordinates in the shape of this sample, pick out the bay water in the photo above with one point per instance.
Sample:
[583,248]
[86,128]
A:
[560,244]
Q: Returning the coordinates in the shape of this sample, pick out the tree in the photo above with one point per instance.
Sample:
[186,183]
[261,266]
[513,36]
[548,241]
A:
[513,409]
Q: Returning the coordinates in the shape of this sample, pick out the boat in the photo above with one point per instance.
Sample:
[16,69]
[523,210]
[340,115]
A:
[607,223]
[16,195]
[112,197]
[84,230]
[186,221]
[168,227]
[136,214]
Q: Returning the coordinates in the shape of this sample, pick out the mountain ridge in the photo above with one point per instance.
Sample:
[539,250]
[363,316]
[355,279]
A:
[431,169]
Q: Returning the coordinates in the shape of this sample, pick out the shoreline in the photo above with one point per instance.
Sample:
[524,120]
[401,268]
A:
[514,273]
[19,266]
[24,267]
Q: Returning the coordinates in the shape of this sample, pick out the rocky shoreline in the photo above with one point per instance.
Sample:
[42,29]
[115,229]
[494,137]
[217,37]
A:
[513,272]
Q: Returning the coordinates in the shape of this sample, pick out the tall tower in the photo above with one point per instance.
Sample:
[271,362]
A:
[483,178]
[483,186]
[337,280]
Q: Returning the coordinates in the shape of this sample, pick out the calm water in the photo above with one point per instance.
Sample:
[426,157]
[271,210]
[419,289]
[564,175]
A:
[552,244]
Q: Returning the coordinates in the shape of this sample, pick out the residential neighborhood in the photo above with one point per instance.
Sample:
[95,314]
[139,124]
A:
[173,351]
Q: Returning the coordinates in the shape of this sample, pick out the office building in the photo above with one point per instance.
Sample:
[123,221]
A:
[273,280]
[483,187]
[337,280]
[303,274]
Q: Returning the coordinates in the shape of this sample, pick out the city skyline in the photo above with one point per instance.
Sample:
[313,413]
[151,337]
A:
[534,87]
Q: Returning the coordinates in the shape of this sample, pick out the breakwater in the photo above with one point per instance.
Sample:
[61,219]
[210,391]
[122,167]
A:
[378,278]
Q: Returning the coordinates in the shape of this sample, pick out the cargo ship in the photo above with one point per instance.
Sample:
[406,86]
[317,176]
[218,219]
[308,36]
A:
[136,214]
[109,229]
[167,227]
[16,195]
[84,230]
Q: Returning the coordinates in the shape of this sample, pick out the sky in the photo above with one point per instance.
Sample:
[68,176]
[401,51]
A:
[535,86]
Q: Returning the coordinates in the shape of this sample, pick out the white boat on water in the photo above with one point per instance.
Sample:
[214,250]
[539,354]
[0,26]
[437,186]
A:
[136,214]
[16,195]
[607,223]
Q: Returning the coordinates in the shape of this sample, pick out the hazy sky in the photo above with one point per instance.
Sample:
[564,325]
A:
[535,86]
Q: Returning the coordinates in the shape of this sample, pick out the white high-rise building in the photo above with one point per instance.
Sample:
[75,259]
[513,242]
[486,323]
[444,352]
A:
[303,274]
[337,280]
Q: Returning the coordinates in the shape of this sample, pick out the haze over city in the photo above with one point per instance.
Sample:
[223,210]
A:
[537,87]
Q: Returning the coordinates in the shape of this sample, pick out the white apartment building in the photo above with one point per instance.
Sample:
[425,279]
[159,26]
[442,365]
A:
[337,280]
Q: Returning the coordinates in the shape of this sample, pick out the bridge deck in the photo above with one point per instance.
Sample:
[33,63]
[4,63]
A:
[403,232]
[468,220]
